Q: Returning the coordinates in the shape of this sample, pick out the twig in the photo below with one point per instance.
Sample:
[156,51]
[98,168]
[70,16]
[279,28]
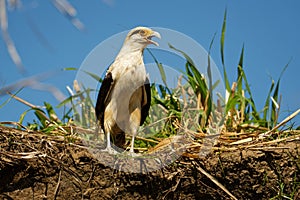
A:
[22,100]
[11,48]
[267,148]
[35,83]
[214,180]
[23,155]
[57,185]
[173,189]
[246,140]
[146,139]
[16,124]
[291,138]
[266,134]
[66,9]
[29,104]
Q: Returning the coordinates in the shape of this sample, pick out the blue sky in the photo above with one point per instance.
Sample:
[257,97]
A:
[269,30]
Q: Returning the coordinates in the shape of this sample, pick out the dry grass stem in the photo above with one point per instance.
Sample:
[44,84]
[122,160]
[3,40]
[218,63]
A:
[283,122]
[214,180]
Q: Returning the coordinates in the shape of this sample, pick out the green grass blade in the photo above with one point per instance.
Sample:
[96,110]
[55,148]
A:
[223,37]
[187,57]
[69,69]
[51,112]
[194,76]
[198,76]
[41,115]
[274,108]
[67,115]
[273,118]
[253,107]
[94,76]
[239,73]
[210,86]
[216,84]
[227,85]
[232,102]
[201,88]
[22,116]
[162,73]
[285,67]
[160,68]
[267,104]
[66,101]
[88,100]
[239,81]
[10,98]
[49,129]
[71,98]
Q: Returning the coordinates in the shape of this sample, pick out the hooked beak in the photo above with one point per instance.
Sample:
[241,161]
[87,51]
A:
[154,34]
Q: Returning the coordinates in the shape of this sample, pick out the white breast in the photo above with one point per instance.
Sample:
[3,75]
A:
[126,83]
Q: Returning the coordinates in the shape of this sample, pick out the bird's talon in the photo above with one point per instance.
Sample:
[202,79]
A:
[110,151]
[132,154]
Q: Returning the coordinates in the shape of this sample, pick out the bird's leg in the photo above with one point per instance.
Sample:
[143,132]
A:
[108,145]
[135,117]
[131,150]
[132,145]
[108,148]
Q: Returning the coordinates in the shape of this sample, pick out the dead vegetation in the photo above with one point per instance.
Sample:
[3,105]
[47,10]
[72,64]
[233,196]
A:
[251,159]
[36,165]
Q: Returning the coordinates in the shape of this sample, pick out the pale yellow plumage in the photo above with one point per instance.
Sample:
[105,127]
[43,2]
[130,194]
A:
[123,98]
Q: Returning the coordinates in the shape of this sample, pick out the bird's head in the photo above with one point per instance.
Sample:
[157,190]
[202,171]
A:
[140,37]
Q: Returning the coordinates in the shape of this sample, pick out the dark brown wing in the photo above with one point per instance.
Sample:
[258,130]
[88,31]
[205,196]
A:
[103,94]
[146,99]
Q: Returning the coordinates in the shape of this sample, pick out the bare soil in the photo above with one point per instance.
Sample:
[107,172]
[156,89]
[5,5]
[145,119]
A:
[38,166]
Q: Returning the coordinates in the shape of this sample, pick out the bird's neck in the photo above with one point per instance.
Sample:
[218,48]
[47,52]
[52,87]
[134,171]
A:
[131,51]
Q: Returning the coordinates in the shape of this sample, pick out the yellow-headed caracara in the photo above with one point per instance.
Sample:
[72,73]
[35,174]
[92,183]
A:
[124,98]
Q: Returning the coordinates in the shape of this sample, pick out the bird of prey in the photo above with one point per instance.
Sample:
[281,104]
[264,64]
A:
[123,101]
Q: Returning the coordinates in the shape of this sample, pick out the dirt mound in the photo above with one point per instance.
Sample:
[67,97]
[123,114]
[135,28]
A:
[39,166]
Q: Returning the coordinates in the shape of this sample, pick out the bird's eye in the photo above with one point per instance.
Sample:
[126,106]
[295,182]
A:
[142,32]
